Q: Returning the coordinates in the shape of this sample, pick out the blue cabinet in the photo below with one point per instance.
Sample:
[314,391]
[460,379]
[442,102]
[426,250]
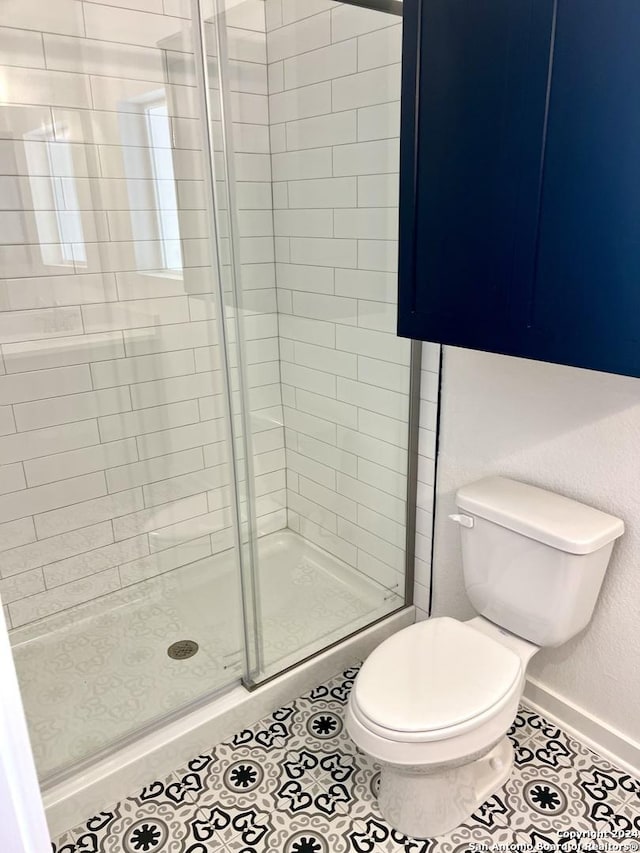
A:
[520,179]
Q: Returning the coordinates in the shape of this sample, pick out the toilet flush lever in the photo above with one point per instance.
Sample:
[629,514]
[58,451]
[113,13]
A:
[464,520]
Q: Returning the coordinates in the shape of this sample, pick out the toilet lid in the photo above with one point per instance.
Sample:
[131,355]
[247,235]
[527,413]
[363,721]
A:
[434,674]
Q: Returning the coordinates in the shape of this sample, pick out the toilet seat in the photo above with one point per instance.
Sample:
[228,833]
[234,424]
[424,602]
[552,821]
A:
[435,680]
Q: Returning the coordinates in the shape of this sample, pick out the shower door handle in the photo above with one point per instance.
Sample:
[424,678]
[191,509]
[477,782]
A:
[463,520]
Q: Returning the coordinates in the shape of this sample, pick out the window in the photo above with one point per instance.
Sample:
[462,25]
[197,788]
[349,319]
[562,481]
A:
[147,151]
[160,152]
[54,193]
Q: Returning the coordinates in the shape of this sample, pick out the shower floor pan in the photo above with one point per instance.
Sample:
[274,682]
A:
[93,676]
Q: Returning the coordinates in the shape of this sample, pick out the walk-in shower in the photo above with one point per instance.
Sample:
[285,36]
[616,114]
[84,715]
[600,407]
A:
[205,415]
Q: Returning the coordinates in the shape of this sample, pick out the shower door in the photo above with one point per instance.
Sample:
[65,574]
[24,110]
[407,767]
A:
[306,162]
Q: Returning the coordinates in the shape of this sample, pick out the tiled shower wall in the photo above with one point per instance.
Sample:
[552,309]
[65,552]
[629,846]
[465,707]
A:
[113,452]
[110,406]
[334,99]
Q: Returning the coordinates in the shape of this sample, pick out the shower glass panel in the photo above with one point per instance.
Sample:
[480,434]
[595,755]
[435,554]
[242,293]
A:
[311,100]
[117,520]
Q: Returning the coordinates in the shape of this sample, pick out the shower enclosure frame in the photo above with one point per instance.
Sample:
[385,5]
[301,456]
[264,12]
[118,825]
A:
[246,552]
[392,7]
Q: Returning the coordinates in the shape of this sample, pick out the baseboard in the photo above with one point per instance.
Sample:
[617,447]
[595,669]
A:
[597,735]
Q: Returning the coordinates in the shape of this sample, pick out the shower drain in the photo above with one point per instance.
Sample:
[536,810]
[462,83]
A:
[182,649]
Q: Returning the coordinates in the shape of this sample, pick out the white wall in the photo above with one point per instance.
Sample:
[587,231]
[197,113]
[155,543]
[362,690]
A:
[570,430]
[23,827]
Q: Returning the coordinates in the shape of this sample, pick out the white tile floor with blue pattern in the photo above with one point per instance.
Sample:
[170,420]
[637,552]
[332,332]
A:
[295,783]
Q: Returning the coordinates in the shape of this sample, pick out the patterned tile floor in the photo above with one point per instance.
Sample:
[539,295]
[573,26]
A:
[295,783]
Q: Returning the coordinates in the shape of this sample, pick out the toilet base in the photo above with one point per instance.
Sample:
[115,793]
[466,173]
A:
[424,804]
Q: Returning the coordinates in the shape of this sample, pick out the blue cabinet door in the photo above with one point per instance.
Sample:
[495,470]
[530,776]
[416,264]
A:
[584,305]
[520,179]
[475,79]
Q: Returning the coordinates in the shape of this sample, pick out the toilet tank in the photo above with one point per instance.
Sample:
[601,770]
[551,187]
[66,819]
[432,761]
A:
[533,560]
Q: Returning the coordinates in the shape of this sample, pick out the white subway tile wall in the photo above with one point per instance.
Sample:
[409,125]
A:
[334,95]
[112,435]
[427,444]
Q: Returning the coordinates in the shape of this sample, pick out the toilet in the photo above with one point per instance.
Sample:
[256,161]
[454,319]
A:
[433,703]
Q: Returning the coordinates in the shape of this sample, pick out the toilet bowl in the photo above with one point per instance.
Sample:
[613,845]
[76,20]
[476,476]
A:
[434,702]
[433,705]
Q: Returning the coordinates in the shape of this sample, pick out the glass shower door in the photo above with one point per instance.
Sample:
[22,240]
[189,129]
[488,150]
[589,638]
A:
[307,168]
